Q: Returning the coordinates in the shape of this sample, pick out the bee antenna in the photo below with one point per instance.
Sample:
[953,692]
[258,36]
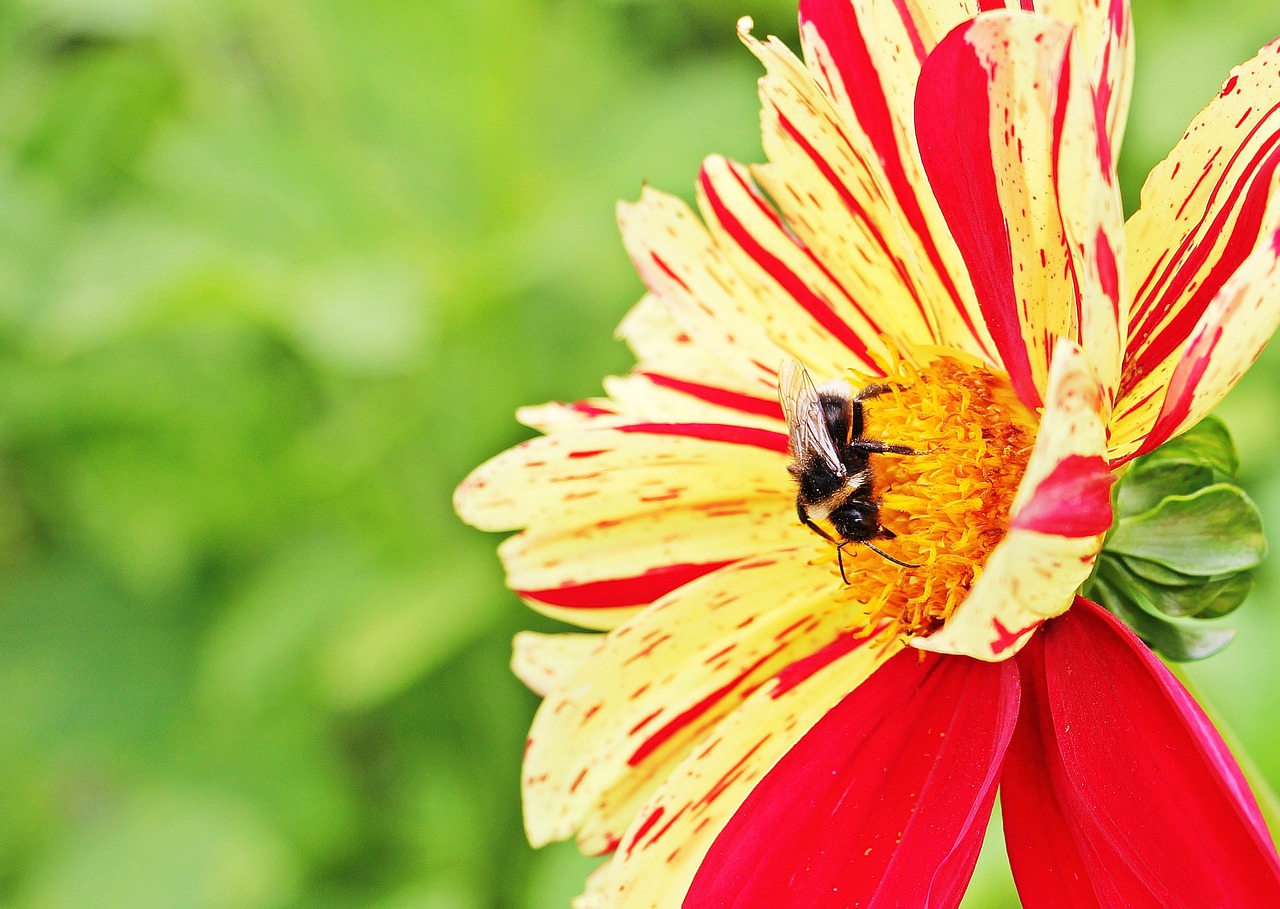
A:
[876,549]
[840,562]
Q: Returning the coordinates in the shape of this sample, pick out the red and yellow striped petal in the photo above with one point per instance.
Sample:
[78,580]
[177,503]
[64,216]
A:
[618,517]
[660,682]
[1035,209]
[660,853]
[1231,334]
[870,162]
[681,264]
[805,309]
[1103,30]
[1059,517]
[1204,210]
[896,37]
[828,183]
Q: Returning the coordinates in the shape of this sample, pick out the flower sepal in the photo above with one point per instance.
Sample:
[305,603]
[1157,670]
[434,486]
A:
[1184,543]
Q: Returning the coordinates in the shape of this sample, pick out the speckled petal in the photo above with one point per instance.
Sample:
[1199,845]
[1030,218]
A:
[1204,211]
[1035,209]
[541,661]
[617,517]
[827,181]
[658,684]
[661,851]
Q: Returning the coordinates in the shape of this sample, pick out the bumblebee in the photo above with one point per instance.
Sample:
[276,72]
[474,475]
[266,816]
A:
[832,463]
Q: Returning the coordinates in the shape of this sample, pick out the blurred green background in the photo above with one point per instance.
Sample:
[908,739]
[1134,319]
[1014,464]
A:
[273,276]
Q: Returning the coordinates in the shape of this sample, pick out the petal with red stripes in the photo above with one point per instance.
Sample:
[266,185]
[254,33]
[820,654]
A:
[1117,790]
[828,183]
[855,153]
[661,851]
[1205,209]
[610,730]
[1232,332]
[617,517]
[991,114]
[882,804]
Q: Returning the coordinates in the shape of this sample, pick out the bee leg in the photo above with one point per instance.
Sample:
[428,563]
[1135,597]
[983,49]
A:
[804,519]
[874,446]
[876,549]
[872,391]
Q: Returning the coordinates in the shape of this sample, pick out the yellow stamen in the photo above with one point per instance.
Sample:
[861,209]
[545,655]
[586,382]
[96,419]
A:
[949,504]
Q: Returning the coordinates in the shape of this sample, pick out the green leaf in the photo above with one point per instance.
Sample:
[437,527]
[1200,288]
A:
[1214,531]
[1154,571]
[1144,489]
[1212,599]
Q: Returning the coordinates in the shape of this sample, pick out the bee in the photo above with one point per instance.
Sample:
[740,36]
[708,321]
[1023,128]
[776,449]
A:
[832,463]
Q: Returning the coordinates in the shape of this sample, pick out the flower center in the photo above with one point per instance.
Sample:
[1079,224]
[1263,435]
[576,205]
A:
[949,503]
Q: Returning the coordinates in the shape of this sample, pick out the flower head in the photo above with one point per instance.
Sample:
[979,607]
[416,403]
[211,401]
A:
[780,715]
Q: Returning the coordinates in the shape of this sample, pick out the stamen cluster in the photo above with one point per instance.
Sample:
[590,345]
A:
[949,504]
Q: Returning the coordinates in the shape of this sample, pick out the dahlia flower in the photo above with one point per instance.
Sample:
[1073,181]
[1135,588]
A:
[768,719]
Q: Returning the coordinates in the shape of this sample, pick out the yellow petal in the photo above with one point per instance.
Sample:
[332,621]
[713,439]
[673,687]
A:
[571,479]
[542,660]
[1032,574]
[660,853]
[617,517]
[660,682]
[661,345]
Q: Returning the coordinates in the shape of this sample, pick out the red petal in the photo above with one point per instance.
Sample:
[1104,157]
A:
[1118,791]
[1074,500]
[882,804]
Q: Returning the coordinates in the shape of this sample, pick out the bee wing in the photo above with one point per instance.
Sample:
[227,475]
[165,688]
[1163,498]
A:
[806,425]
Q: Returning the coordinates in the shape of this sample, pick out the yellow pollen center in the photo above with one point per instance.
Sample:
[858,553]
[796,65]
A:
[949,504]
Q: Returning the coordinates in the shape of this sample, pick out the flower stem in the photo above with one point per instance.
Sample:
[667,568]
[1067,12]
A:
[1268,801]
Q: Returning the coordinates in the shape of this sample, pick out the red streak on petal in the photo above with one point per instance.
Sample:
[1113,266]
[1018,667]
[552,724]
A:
[687,717]
[1074,500]
[652,819]
[788,280]
[763,407]
[588,454]
[715,432]
[1006,638]
[800,670]
[953,118]
[1108,271]
[669,272]
[617,593]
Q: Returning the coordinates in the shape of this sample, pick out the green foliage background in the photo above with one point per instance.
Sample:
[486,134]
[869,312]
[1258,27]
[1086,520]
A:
[273,276]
